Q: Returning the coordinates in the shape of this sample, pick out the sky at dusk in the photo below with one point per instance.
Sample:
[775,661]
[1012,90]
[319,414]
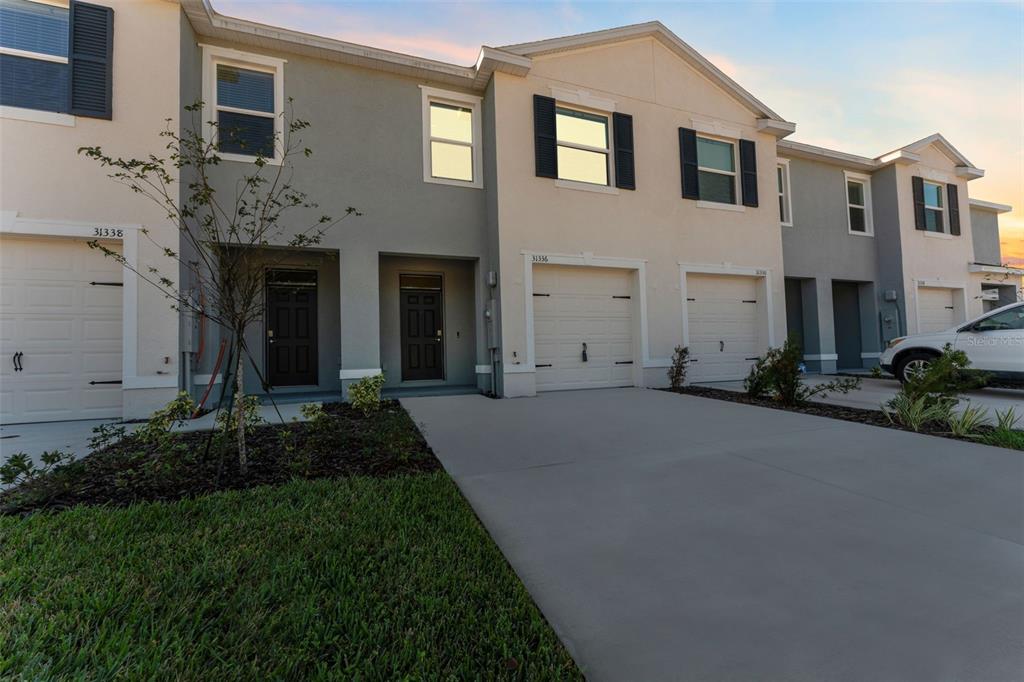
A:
[864,78]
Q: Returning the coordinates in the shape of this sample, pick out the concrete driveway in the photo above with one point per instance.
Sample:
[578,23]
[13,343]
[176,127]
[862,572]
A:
[874,392]
[670,537]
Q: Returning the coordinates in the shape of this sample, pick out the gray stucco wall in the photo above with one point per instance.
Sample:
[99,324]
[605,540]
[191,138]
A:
[366,137]
[985,235]
[893,314]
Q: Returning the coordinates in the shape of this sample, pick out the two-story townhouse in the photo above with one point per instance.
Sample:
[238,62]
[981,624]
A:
[80,335]
[560,215]
[881,247]
[993,282]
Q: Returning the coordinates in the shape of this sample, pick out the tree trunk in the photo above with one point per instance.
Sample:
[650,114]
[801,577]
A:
[243,462]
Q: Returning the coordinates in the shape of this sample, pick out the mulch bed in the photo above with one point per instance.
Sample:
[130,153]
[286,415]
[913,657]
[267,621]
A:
[850,414]
[345,443]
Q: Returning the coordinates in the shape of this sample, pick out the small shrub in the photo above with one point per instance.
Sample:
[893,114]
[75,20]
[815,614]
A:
[915,413]
[778,374]
[876,372]
[967,423]
[677,370]
[106,434]
[227,421]
[946,378]
[19,467]
[365,394]
[1007,419]
[157,429]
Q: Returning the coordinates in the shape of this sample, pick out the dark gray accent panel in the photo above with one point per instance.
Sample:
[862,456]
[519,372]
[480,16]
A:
[91,60]
[625,168]
[748,172]
[33,84]
[795,311]
[688,163]
[545,144]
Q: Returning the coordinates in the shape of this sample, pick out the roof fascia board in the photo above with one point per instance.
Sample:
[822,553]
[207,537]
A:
[990,206]
[807,151]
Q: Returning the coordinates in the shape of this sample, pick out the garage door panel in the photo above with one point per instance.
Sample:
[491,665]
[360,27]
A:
[69,331]
[723,326]
[582,305]
[936,309]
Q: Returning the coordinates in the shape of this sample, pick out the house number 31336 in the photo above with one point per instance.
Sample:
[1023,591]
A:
[540,259]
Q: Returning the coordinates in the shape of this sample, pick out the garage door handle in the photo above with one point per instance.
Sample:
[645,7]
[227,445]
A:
[584,352]
[721,346]
[17,361]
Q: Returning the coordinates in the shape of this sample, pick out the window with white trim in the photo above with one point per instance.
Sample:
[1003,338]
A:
[583,146]
[451,138]
[244,104]
[716,170]
[858,204]
[34,52]
[933,208]
[785,202]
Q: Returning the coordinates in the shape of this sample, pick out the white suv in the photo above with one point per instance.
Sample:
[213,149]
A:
[994,343]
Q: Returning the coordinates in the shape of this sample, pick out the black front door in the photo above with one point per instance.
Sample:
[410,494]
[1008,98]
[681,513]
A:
[422,328]
[291,329]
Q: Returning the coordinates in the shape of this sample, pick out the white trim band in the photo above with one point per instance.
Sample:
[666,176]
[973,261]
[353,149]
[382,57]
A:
[483,369]
[359,373]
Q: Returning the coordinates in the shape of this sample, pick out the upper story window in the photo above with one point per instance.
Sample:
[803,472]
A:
[933,209]
[34,30]
[716,170]
[785,202]
[244,96]
[451,138]
[858,204]
[583,151]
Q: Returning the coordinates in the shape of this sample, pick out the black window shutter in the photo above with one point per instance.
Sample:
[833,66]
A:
[688,163]
[91,51]
[545,145]
[918,185]
[954,209]
[625,170]
[748,172]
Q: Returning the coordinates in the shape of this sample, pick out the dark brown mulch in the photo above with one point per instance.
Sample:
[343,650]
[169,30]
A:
[345,443]
[850,414]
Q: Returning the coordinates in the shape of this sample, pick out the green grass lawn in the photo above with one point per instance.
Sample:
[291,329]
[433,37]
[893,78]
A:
[353,578]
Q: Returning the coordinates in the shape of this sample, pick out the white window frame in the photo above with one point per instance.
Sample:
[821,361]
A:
[41,56]
[941,209]
[459,99]
[607,150]
[212,57]
[734,174]
[787,193]
[865,182]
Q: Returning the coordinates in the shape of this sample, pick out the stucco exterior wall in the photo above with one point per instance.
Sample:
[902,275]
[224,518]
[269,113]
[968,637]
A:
[42,177]
[366,137]
[653,223]
[940,260]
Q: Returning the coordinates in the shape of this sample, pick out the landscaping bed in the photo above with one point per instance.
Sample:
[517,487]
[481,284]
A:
[852,414]
[344,442]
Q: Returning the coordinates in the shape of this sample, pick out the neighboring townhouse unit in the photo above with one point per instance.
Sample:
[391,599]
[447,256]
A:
[993,281]
[79,338]
[561,215]
[882,247]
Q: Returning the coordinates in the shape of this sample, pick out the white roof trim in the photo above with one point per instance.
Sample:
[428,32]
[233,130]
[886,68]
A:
[208,22]
[808,151]
[995,269]
[902,156]
[990,206]
[943,144]
[656,30]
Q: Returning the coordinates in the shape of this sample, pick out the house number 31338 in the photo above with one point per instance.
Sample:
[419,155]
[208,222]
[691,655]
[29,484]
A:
[540,259]
[107,232]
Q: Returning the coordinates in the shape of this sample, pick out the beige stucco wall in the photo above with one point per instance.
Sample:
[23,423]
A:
[653,223]
[939,260]
[43,178]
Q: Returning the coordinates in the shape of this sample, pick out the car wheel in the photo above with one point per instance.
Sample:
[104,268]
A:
[913,364]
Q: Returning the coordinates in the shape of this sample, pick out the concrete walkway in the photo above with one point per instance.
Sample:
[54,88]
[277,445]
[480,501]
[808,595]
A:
[874,392]
[670,537]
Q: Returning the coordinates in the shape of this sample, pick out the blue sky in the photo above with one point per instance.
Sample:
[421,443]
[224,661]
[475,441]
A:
[857,76]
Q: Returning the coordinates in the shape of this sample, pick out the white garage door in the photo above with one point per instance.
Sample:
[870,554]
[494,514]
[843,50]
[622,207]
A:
[722,317]
[60,310]
[577,309]
[935,309]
